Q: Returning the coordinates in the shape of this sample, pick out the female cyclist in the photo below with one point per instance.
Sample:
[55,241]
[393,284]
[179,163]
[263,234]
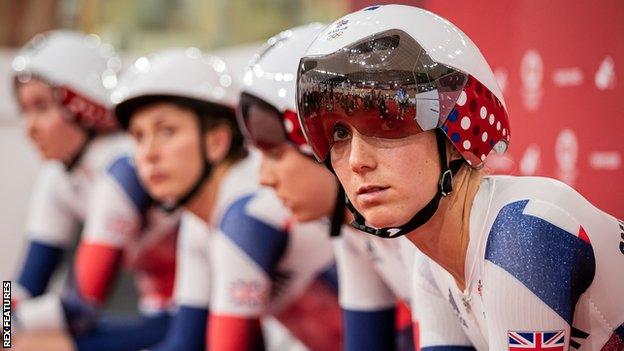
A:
[403,107]
[373,273]
[241,258]
[62,81]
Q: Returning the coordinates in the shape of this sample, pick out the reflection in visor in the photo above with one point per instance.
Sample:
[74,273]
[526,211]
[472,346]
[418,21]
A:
[385,86]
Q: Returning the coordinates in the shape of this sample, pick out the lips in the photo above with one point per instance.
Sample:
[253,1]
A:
[157,177]
[371,194]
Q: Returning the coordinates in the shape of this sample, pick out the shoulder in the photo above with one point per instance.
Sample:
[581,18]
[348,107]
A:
[103,150]
[256,224]
[123,173]
[536,238]
[49,177]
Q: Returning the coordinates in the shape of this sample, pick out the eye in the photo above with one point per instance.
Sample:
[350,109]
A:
[41,106]
[167,131]
[137,136]
[340,133]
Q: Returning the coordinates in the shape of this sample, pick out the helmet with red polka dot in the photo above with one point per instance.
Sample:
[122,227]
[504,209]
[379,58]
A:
[406,70]
[394,71]
[79,67]
[267,107]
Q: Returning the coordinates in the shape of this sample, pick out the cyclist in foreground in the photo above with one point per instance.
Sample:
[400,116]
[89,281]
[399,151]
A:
[403,107]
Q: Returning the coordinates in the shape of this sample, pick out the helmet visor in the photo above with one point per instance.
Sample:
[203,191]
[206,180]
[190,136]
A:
[385,86]
[260,122]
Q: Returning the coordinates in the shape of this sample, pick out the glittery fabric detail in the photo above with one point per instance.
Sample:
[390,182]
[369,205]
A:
[554,264]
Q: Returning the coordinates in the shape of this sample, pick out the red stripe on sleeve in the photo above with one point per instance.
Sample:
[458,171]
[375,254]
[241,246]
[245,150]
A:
[226,333]
[95,267]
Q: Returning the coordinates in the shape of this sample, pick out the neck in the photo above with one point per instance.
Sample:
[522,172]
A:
[444,238]
[203,202]
[74,157]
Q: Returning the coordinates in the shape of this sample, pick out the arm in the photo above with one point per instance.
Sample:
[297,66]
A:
[192,289]
[367,302]
[438,327]
[245,252]
[536,289]
[51,228]
[113,218]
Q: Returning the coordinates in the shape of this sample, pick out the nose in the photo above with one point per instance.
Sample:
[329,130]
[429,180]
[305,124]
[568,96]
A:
[148,151]
[31,125]
[361,156]
[267,173]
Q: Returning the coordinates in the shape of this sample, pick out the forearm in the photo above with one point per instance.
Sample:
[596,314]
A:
[229,333]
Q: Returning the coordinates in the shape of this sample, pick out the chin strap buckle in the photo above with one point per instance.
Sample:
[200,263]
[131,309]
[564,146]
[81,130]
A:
[446,183]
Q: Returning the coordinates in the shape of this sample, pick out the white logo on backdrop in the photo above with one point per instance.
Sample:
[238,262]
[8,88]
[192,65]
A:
[605,75]
[605,160]
[566,155]
[568,77]
[532,74]
[530,160]
[501,76]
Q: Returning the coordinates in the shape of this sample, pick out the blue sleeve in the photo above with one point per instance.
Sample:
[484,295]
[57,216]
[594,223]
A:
[124,173]
[554,264]
[448,348]
[261,242]
[187,331]
[369,330]
[41,261]
[124,333]
[81,316]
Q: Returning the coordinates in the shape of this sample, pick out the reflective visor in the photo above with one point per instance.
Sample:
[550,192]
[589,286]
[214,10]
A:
[384,86]
[265,127]
[260,122]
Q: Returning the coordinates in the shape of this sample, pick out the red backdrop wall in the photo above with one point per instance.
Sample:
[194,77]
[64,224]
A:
[561,66]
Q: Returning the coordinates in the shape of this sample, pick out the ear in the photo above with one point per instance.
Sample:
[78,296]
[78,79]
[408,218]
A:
[218,141]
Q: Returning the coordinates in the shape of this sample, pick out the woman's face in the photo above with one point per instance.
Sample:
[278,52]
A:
[47,123]
[305,187]
[168,155]
[387,180]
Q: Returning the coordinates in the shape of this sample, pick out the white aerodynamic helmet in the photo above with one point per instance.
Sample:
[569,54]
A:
[407,70]
[267,108]
[80,69]
[394,71]
[175,73]
[185,77]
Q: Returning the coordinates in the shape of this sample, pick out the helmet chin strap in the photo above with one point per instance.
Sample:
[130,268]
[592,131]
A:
[338,215]
[445,187]
[71,164]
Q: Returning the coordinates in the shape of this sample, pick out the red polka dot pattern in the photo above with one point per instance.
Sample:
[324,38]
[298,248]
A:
[477,123]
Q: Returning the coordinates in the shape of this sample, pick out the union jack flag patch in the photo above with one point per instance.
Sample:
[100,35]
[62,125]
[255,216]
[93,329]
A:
[536,341]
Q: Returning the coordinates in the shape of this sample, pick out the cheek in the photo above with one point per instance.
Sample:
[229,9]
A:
[184,156]
[316,187]
[52,123]
[344,173]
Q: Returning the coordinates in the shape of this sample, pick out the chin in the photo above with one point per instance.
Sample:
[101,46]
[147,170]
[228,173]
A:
[160,193]
[301,215]
[383,218]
